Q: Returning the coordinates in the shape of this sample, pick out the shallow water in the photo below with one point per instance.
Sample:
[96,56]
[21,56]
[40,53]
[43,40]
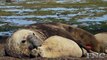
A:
[19,10]
[17,17]
[25,16]
[59,8]
[5,33]
[2,7]
[101,18]
[19,22]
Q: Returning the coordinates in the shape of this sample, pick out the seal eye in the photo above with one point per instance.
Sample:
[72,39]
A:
[33,33]
[23,41]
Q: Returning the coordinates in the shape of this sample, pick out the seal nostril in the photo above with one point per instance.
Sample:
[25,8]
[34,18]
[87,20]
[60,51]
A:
[35,47]
[31,47]
[33,33]
[23,41]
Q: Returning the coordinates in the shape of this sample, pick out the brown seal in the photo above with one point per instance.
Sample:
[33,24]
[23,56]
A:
[80,36]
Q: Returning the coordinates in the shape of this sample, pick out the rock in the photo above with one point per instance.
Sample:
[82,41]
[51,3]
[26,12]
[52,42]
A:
[2,52]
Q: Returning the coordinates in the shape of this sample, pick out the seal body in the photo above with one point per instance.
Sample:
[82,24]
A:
[79,35]
[57,46]
[102,39]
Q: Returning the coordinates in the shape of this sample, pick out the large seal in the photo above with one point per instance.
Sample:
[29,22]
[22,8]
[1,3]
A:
[57,46]
[68,31]
[23,41]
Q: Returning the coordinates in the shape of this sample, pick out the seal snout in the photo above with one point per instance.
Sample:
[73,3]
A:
[31,39]
[34,41]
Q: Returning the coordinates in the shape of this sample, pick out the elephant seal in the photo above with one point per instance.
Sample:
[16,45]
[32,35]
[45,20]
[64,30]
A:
[57,46]
[79,35]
